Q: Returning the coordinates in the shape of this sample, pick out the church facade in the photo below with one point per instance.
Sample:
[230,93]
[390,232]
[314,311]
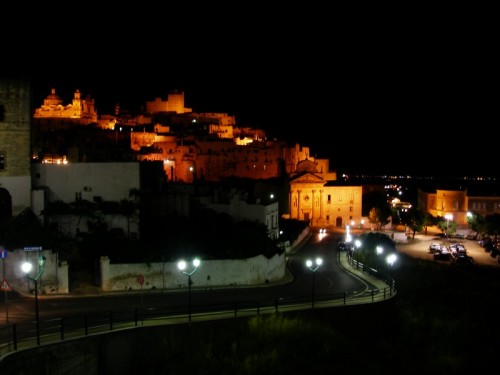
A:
[321,202]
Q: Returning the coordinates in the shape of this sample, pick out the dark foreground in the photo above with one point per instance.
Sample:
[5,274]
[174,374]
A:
[443,320]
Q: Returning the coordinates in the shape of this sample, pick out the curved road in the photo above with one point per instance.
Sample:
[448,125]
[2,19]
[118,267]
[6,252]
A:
[329,279]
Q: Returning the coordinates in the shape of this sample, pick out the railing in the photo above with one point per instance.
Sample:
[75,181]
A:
[388,279]
[31,334]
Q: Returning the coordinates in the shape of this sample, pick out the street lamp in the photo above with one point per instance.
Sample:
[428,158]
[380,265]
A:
[470,217]
[391,259]
[26,267]
[182,266]
[357,244]
[448,217]
[313,267]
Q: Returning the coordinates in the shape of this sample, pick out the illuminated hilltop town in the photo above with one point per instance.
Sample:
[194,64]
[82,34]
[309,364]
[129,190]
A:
[105,156]
[204,146]
[196,147]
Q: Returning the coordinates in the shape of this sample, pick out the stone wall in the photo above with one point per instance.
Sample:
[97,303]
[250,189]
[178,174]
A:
[54,279]
[211,273]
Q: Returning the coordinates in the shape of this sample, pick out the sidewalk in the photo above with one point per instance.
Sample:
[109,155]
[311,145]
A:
[370,279]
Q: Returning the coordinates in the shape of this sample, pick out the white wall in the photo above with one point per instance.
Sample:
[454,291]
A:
[110,181]
[54,279]
[211,273]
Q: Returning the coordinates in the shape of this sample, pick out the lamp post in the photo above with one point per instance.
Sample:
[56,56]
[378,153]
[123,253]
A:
[470,217]
[313,267]
[390,259]
[448,217]
[357,244]
[182,266]
[26,267]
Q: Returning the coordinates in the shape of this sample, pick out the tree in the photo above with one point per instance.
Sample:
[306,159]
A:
[429,221]
[371,243]
[414,219]
[25,229]
[376,198]
[379,217]
[129,210]
[448,227]
[492,224]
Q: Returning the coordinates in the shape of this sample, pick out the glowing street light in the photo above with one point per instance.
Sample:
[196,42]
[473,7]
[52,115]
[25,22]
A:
[182,266]
[313,267]
[357,245]
[470,217]
[448,217]
[391,259]
[26,267]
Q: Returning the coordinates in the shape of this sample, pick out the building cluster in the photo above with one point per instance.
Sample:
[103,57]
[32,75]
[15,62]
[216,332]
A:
[69,152]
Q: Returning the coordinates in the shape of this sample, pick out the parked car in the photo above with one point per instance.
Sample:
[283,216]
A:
[345,246]
[433,247]
[462,258]
[442,254]
[457,248]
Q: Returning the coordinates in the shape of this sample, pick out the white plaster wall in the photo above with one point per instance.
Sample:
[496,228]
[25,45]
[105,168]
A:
[54,279]
[110,181]
[211,273]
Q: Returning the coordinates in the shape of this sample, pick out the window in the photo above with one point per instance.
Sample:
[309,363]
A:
[329,199]
[2,160]
[2,113]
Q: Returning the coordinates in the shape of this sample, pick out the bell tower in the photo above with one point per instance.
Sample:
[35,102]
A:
[15,158]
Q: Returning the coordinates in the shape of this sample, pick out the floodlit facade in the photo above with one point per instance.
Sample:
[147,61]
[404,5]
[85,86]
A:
[81,111]
[324,203]
[457,203]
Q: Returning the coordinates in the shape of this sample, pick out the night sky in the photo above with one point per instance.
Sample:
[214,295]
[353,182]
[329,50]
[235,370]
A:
[392,95]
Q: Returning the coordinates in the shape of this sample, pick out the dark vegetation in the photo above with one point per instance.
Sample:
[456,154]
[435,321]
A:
[206,234]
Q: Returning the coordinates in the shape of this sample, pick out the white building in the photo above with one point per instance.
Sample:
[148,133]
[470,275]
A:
[241,208]
[93,182]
